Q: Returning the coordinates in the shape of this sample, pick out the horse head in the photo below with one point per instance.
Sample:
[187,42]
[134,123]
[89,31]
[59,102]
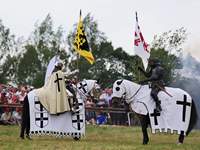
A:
[123,91]
[89,88]
[119,93]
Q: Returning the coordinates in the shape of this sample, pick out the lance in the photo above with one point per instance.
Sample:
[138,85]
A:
[164,90]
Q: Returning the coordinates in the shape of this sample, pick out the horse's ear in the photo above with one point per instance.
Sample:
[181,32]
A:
[119,82]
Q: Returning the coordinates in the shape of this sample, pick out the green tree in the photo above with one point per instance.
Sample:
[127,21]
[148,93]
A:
[7,41]
[8,54]
[43,44]
[9,69]
[29,67]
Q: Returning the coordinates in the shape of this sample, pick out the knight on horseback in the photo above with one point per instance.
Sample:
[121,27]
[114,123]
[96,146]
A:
[155,77]
[69,86]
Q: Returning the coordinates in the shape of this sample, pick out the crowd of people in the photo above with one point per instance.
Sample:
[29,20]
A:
[100,117]
[12,95]
[15,95]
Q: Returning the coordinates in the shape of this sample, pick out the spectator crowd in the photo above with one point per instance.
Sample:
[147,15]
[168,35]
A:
[15,95]
[104,101]
[12,95]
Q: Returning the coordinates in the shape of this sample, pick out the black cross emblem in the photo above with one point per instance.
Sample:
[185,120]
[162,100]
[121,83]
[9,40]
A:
[155,114]
[41,118]
[185,104]
[40,105]
[78,121]
[82,86]
[57,80]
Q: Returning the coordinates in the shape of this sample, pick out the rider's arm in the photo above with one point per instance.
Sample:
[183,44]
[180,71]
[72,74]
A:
[146,74]
[154,76]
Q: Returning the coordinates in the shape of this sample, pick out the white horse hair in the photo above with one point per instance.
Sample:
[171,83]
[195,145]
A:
[177,108]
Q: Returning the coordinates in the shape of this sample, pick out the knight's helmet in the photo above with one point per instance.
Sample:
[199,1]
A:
[59,64]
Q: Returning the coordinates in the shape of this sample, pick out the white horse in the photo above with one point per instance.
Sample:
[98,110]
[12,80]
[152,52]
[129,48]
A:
[178,110]
[37,121]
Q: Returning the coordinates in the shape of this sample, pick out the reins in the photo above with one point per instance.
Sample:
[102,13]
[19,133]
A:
[134,94]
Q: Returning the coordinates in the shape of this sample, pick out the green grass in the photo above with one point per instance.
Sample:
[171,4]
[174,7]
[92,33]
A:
[98,138]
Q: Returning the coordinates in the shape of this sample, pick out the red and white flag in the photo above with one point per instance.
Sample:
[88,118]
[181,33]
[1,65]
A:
[141,48]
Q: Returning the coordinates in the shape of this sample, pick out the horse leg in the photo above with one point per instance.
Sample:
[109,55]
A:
[25,119]
[144,123]
[181,138]
[24,116]
[28,122]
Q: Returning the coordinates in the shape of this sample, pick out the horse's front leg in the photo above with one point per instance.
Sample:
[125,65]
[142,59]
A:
[24,121]
[181,138]
[144,123]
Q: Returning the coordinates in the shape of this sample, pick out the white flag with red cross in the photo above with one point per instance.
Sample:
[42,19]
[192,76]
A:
[141,48]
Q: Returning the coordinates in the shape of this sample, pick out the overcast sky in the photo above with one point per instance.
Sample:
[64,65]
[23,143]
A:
[116,18]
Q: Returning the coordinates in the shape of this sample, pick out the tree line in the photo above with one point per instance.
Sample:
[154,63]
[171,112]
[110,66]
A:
[24,61]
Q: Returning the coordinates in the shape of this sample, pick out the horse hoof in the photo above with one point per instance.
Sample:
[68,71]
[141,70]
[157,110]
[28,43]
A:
[76,138]
[179,143]
[145,143]
[22,137]
[28,137]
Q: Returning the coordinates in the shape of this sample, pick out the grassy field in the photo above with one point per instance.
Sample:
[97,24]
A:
[98,138]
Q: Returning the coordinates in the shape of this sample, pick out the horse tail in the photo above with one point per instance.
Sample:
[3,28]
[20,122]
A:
[193,118]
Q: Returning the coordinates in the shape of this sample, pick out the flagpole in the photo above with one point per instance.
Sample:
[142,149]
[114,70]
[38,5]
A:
[137,61]
[136,16]
[78,55]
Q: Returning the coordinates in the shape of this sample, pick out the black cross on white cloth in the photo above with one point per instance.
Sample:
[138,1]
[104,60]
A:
[82,86]
[185,104]
[78,120]
[57,80]
[41,116]
[155,114]
[39,105]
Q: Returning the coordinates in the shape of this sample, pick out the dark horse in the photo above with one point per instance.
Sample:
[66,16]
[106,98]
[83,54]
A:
[130,93]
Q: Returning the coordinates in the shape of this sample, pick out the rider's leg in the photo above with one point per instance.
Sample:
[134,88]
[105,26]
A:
[24,117]
[154,95]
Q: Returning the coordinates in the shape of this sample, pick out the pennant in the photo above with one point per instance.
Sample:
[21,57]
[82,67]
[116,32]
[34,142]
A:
[140,46]
[81,44]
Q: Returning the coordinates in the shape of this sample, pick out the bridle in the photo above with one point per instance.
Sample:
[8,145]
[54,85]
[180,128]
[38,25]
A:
[128,100]
[84,91]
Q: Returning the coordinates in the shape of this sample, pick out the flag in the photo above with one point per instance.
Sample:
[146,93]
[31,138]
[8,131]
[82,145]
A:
[81,44]
[140,46]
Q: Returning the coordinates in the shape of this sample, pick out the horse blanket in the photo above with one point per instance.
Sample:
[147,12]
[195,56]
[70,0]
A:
[176,106]
[175,114]
[65,124]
